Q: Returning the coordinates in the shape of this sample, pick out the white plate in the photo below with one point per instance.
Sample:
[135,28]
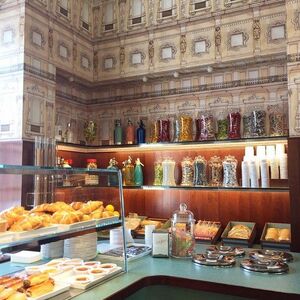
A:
[58,289]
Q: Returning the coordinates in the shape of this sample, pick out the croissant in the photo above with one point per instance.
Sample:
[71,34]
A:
[239,232]
[27,223]
[90,206]
[86,217]
[98,213]
[64,217]
[76,205]
[40,208]
[40,289]
[272,234]
[284,234]
[11,217]
[6,293]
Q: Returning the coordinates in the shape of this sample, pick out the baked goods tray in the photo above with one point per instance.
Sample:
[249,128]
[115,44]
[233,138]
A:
[140,232]
[59,288]
[275,244]
[68,278]
[213,240]
[238,241]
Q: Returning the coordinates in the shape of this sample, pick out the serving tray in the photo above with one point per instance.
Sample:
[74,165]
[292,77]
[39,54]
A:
[225,250]
[214,260]
[271,255]
[264,266]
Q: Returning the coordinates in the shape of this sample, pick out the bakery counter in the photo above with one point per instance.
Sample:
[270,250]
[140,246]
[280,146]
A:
[184,277]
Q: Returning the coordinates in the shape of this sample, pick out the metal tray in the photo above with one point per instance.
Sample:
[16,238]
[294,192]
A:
[225,250]
[214,260]
[244,242]
[264,266]
[212,240]
[271,255]
[275,244]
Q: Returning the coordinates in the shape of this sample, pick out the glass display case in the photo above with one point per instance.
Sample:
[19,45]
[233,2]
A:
[63,221]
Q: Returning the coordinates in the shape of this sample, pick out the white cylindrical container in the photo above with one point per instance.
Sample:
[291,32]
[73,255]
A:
[261,152]
[249,151]
[283,166]
[253,175]
[148,234]
[168,166]
[245,174]
[116,237]
[265,177]
[274,168]
[270,151]
[280,150]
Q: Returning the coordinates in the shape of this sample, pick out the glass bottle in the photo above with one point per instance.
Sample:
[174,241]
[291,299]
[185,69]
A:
[234,125]
[128,172]
[129,135]
[168,166]
[229,171]
[200,165]
[215,170]
[118,132]
[164,130]
[182,233]
[141,133]
[113,178]
[158,173]
[187,168]
[186,128]
[138,173]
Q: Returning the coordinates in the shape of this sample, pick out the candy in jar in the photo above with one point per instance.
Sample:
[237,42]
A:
[158,173]
[215,171]
[234,125]
[153,132]
[258,118]
[200,165]
[222,125]
[205,127]
[182,233]
[247,126]
[186,128]
[187,168]
[276,121]
[163,130]
[229,171]
[176,131]
[168,166]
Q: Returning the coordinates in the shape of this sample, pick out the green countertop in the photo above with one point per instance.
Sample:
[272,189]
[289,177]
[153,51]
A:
[234,276]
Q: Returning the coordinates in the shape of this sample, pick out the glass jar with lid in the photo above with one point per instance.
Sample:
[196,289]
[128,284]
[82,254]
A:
[205,127]
[200,166]
[229,171]
[258,121]
[222,125]
[158,173]
[215,170]
[168,166]
[182,233]
[187,169]
[176,130]
[153,134]
[234,124]
[276,120]
[186,128]
[163,130]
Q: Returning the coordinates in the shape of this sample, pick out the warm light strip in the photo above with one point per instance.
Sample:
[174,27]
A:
[175,146]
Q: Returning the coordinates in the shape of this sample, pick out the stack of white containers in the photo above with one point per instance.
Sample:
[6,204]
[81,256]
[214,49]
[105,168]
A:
[269,162]
[53,250]
[84,247]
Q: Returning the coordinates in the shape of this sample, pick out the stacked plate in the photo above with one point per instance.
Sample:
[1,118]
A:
[53,250]
[84,247]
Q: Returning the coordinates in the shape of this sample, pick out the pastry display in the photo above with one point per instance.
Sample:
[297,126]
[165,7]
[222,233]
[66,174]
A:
[278,234]
[239,231]
[206,229]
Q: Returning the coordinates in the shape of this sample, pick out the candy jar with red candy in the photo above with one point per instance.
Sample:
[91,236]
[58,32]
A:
[234,124]
[164,130]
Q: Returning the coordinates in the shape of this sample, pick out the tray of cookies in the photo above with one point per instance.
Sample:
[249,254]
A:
[239,233]
[207,231]
[276,235]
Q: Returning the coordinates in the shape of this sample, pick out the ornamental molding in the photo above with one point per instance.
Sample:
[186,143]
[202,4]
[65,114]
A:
[245,39]
[219,102]
[205,29]
[173,49]
[269,33]
[158,108]
[114,62]
[137,51]
[200,39]
[230,3]
[225,25]
[187,106]
[272,16]
[33,30]
[296,20]
[35,89]
[254,99]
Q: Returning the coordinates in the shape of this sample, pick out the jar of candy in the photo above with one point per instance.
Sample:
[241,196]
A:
[186,128]
[258,122]
[154,132]
[215,171]
[247,125]
[234,125]
[276,120]
[176,130]
[229,171]
[158,173]
[187,167]
[91,179]
[222,126]
[168,166]
[182,233]
[164,130]
[205,127]
[200,165]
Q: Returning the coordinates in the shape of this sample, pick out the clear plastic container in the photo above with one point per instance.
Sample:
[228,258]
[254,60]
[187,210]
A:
[215,171]
[186,128]
[168,166]
[200,166]
[234,125]
[158,173]
[182,233]
[187,167]
[229,170]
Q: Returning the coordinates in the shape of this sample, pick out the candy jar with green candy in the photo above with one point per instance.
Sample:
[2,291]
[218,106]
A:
[138,172]
[158,173]
[182,233]
[113,178]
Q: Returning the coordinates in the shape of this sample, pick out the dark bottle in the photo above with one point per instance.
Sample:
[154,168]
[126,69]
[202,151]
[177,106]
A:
[141,133]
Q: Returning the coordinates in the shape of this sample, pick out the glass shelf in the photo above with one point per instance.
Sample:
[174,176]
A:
[173,146]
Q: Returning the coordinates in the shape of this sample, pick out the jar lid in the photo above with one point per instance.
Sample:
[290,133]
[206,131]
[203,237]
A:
[91,160]
[183,215]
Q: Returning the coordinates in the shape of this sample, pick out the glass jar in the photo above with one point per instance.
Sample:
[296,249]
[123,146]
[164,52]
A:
[234,125]
[229,171]
[222,126]
[258,122]
[182,233]
[215,171]
[164,130]
[276,120]
[247,125]
[200,165]
[153,138]
[128,172]
[176,129]
[168,166]
[186,128]
[205,127]
[187,167]
[158,173]
[91,179]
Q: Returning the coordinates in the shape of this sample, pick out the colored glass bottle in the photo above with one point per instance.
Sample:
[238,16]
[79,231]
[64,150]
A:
[113,178]
[128,172]
[118,133]
[141,133]
[138,173]
[129,136]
